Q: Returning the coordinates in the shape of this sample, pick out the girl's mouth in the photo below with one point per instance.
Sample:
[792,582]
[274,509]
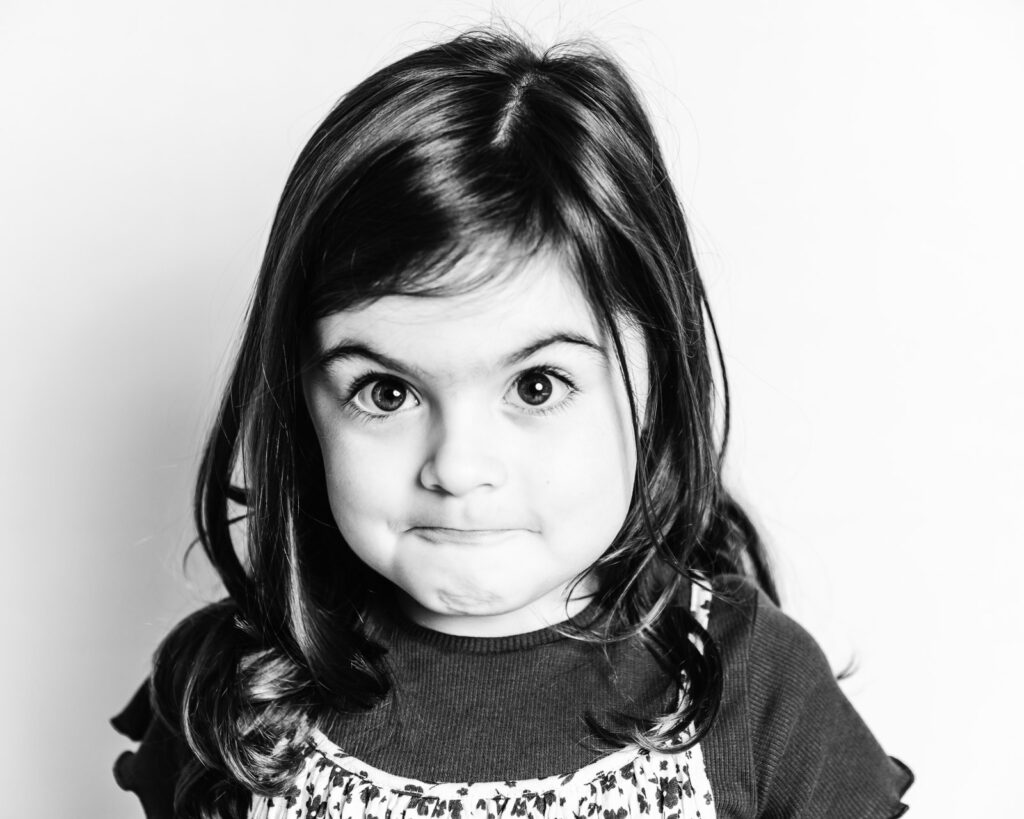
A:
[470,537]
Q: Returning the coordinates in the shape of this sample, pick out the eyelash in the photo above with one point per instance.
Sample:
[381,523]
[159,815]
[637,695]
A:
[370,377]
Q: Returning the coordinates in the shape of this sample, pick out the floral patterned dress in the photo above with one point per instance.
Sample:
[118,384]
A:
[630,782]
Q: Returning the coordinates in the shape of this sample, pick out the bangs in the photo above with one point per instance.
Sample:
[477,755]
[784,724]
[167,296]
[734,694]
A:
[463,264]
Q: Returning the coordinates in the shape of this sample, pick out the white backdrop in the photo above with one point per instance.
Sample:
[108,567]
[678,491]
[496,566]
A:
[853,174]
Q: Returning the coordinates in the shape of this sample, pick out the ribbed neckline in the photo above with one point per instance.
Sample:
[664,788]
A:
[403,627]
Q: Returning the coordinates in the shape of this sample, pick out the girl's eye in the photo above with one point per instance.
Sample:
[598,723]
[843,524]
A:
[383,396]
[538,388]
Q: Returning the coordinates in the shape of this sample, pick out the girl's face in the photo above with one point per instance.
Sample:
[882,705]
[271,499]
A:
[478,447]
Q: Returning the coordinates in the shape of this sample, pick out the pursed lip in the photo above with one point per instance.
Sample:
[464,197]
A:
[442,534]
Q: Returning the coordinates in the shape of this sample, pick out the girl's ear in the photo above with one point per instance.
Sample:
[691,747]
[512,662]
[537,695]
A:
[645,416]
[627,338]
[634,345]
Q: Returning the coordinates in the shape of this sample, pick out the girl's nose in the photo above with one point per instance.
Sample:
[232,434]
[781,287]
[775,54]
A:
[464,457]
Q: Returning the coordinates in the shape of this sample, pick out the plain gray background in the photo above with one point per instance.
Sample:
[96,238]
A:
[853,177]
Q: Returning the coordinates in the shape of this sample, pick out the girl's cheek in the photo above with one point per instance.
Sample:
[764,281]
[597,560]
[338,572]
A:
[367,461]
[592,450]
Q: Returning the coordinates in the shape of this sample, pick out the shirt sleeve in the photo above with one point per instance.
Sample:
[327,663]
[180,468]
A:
[787,742]
[151,772]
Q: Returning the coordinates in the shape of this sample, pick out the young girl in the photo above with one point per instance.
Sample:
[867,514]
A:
[465,496]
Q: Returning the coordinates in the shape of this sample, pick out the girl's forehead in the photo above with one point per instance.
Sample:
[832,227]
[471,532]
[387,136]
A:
[534,296]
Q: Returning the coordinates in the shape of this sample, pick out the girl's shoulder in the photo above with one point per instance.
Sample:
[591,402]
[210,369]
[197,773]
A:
[152,770]
[150,717]
[786,739]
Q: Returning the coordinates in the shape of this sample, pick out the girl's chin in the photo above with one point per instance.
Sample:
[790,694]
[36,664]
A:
[482,613]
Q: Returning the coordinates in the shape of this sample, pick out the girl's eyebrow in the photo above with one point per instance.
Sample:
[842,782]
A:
[350,348]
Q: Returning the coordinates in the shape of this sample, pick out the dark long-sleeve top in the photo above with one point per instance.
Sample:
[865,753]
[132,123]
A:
[786,742]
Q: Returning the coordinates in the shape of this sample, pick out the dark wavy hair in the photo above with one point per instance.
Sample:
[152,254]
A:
[472,140]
